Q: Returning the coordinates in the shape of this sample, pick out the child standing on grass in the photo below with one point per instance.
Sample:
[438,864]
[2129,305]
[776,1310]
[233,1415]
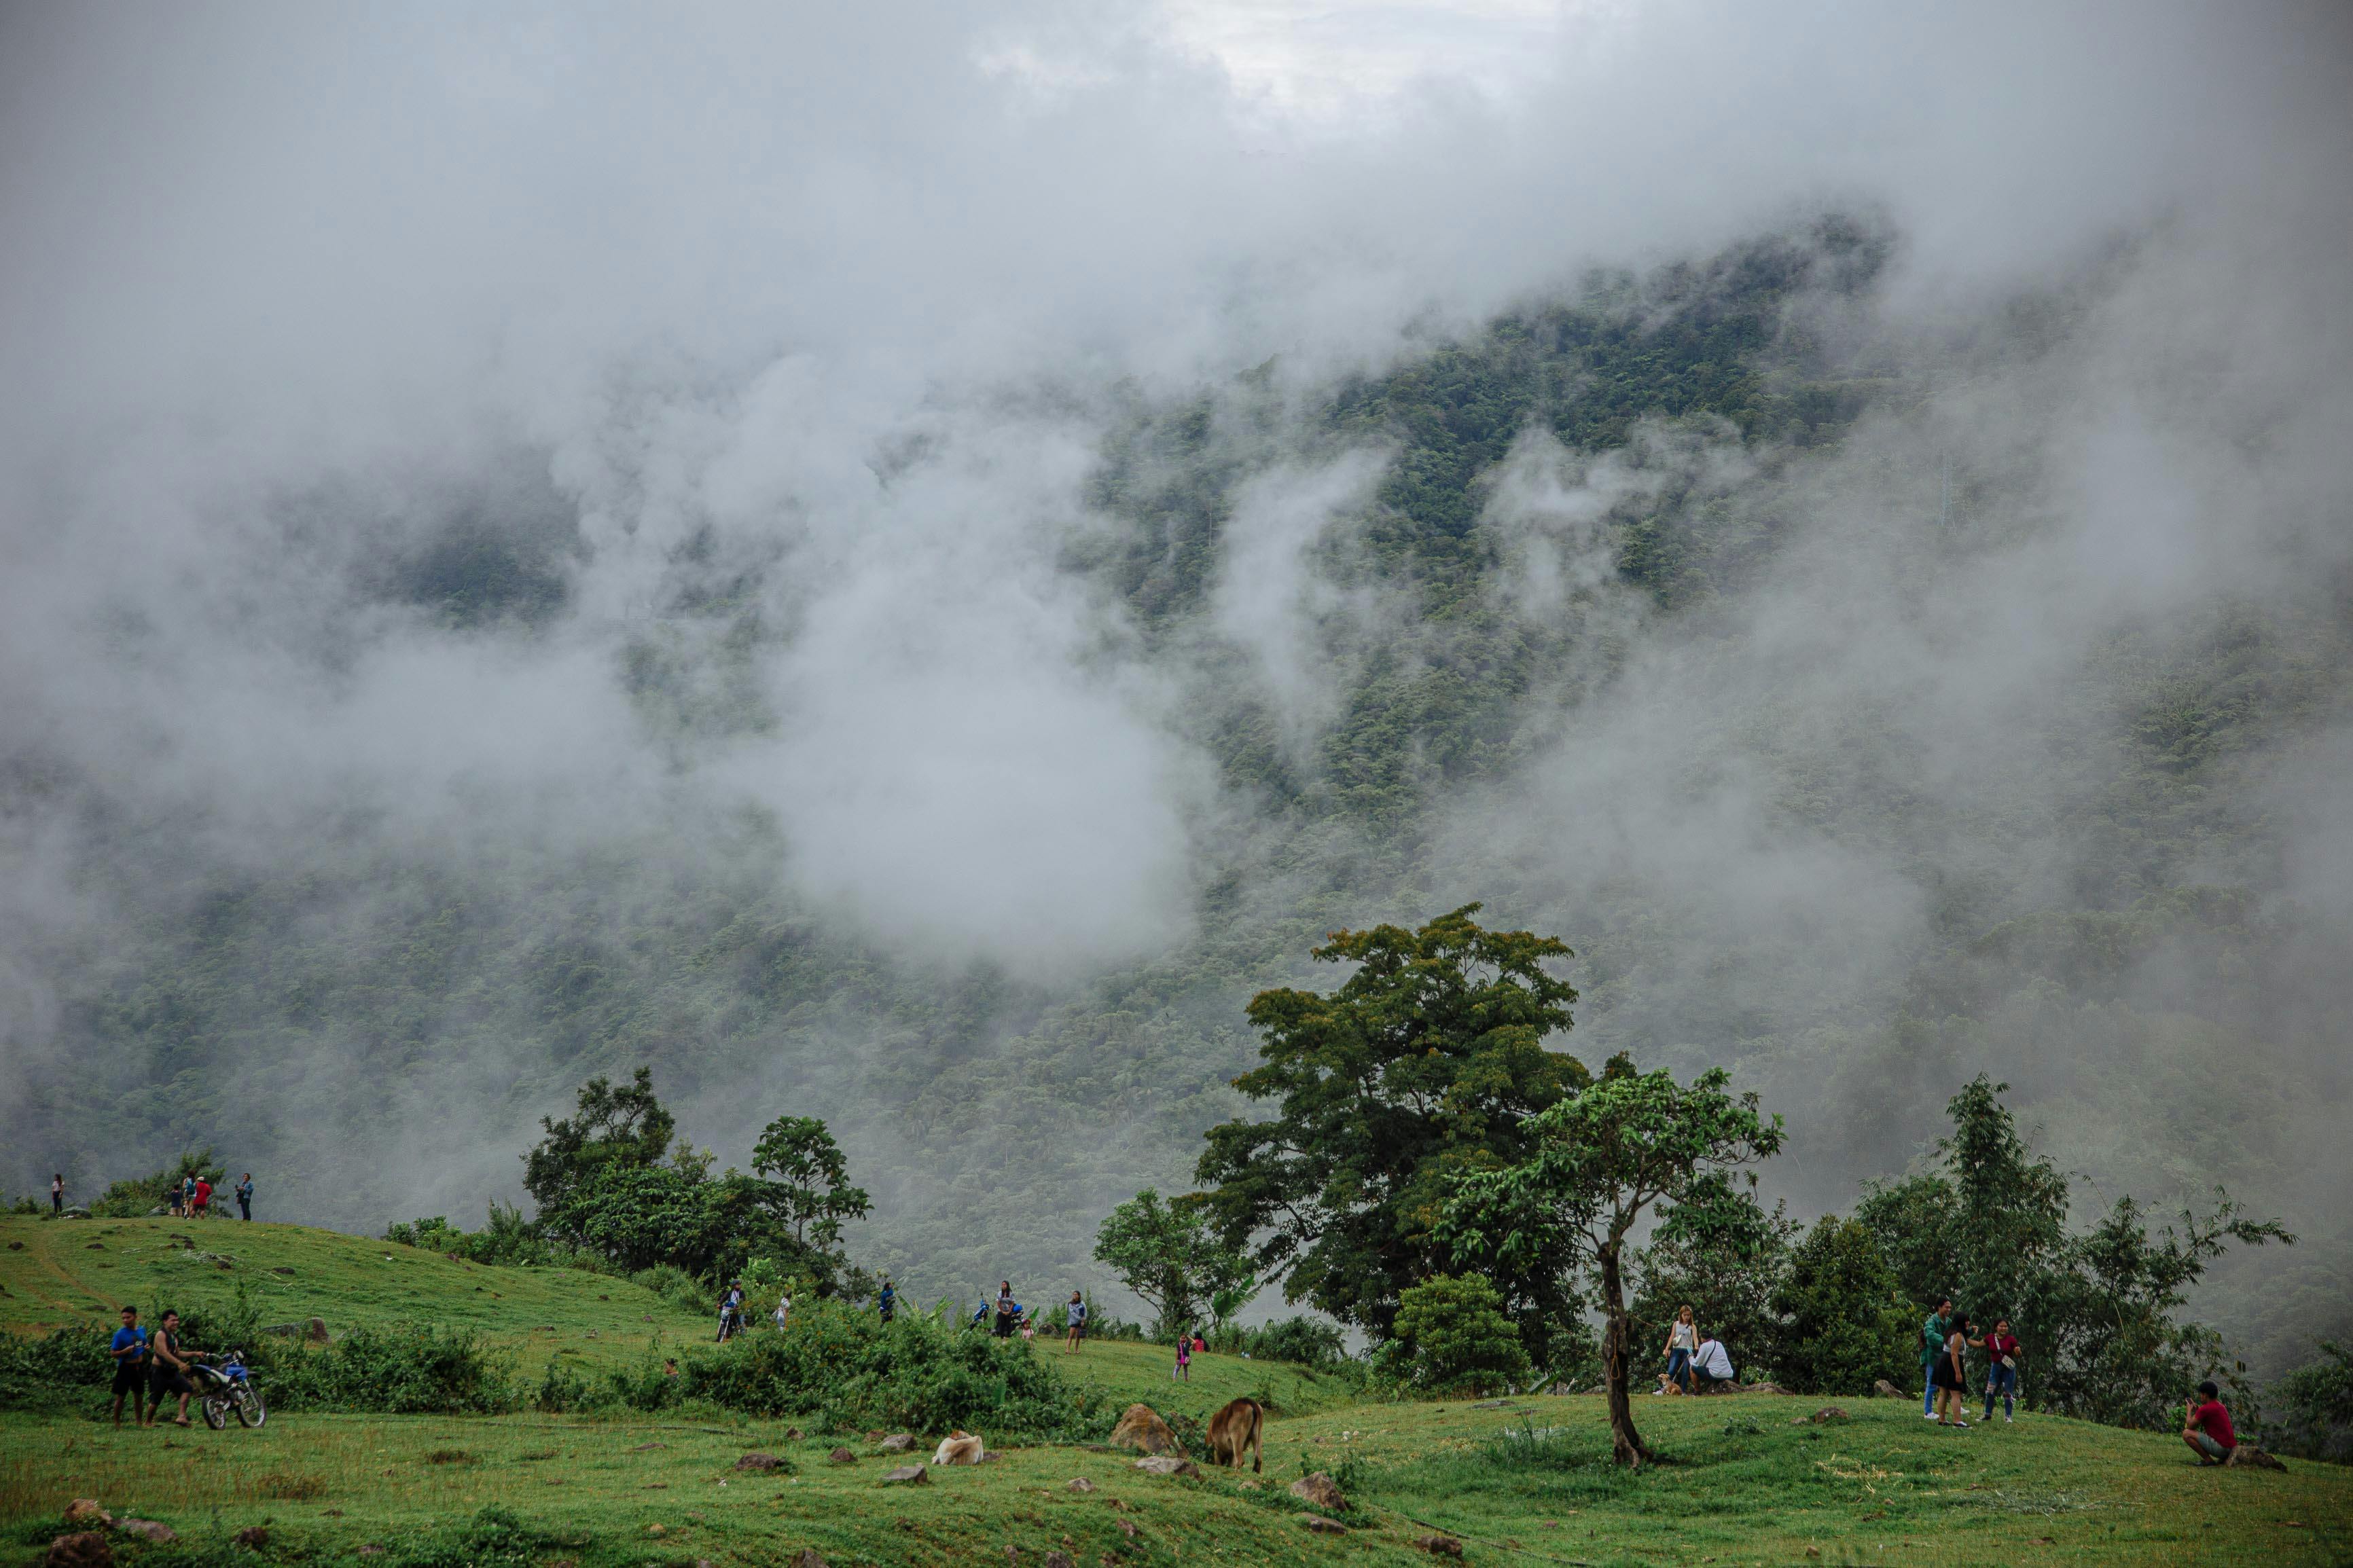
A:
[1184,1368]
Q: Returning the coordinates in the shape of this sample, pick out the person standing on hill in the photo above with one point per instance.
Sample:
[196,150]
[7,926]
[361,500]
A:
[888,1302]
[188,1197]
[2206,1426]
[1184,1368]
[58,1193]
[245,1195]
[1932,1334]
[2001,1370]
[129,1353]
[1078,1323]
[1950,1374]
[1007,1309]
[204,1198]
[784,1310]
[1682,1339]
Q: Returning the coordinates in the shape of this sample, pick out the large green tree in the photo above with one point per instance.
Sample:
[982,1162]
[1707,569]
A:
[1168,1254]
[1597,1162]
[808,1181]
[626,1126]
[1421,1067]
[1845,1324]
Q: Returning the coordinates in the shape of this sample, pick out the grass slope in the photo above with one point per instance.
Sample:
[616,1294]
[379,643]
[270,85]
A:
[1748,1479]
[63,1271]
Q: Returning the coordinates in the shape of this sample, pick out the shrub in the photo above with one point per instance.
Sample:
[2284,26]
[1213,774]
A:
[1845,1329]
[135,1196]
[1301,1339]
[1451,1336]
[676,1285]
[506,1238]
[846,1369]
[61,1368]
[2315,1405]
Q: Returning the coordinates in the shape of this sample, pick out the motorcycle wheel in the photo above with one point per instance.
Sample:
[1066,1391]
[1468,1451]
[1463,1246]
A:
[249,1412]
[215,1411]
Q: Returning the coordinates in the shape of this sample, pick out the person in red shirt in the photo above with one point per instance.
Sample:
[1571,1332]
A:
[2001,1370]
[203,1197]
[2207,1428]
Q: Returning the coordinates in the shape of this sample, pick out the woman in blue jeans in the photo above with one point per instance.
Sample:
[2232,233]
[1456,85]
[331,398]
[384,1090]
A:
[2001,1376]
[1683,1342]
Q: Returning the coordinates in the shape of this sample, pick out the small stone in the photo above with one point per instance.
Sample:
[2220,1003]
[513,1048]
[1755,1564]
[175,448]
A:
[1059,1559]
[147,1530]
[1320,1490]
[656,1530]
[842,1456]
[1827,1413]
[371,1549]
[253,1537]
[759,1462]
[85,1513]
[1080,1484]
[318,1334]
[1438,1545]
[1322,1526]
[792,1434]
[1887,1390]
[1168,1465]
[907,1475]
[1128,1528]
[806,1557]
[2247,1456]
[83,1548]
[898,1442]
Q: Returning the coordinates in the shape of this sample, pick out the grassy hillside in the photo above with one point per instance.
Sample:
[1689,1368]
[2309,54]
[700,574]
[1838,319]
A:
[57,1272]
[1743,1485]
[1745,1480]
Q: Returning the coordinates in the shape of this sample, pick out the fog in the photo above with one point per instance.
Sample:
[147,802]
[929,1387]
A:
[597,472]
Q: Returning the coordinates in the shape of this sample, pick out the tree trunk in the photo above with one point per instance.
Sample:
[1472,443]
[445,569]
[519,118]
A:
[1625,1445]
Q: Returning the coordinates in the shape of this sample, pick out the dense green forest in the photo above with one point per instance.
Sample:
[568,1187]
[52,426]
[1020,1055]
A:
[1564,651]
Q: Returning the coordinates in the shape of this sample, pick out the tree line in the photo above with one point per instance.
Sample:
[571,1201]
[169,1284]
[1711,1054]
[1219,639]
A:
[1487,1211]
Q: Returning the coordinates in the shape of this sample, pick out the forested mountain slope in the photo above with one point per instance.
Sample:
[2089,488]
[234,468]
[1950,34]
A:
[1805,665]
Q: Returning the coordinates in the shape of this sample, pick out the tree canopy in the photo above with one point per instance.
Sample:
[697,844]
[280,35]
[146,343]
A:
[1421,1067]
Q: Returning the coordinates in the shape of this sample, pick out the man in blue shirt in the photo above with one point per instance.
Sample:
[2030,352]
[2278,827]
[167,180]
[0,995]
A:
[889,1302]
[130,1353]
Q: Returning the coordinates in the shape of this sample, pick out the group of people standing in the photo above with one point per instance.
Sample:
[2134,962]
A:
[151,1370]
[1945,1345]
[191,1197]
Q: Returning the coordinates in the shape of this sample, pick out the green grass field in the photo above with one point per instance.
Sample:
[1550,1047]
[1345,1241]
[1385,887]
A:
[1748,1479]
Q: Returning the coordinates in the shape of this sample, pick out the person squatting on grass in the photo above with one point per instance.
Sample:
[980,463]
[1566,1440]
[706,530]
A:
[130,1353]
[2205,1427]
[2001,1370]
[1682,1339]
[1932,1345]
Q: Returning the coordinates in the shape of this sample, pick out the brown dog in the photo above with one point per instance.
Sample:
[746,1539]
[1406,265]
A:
[1236,1428]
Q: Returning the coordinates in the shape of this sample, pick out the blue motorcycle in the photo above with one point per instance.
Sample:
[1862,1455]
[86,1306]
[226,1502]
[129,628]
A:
[228,1388]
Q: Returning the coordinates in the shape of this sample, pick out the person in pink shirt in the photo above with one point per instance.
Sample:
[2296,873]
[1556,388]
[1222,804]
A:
[2207,1428]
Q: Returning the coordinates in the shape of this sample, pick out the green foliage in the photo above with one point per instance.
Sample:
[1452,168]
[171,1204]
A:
[843,1369]
[2097,1313]
[506,1238]
[493,1537]
[1168,1254]
[1719,1253]
[1299,1340]
[1599,1161]
[58,1370]
[626,1128]
[2313,1408]
[1846,1323]
[1451,1336]
[812,1195]
[1421,1067]
[676,1285]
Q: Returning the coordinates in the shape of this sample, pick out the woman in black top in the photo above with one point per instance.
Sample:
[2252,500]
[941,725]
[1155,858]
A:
[171,1374]
[1950,1376]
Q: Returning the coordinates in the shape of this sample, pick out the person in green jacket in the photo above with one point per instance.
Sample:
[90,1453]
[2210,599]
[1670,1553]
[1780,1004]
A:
[1933,1335]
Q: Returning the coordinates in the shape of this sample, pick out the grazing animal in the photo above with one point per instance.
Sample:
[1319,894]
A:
[1236,1428]
[958,1448]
